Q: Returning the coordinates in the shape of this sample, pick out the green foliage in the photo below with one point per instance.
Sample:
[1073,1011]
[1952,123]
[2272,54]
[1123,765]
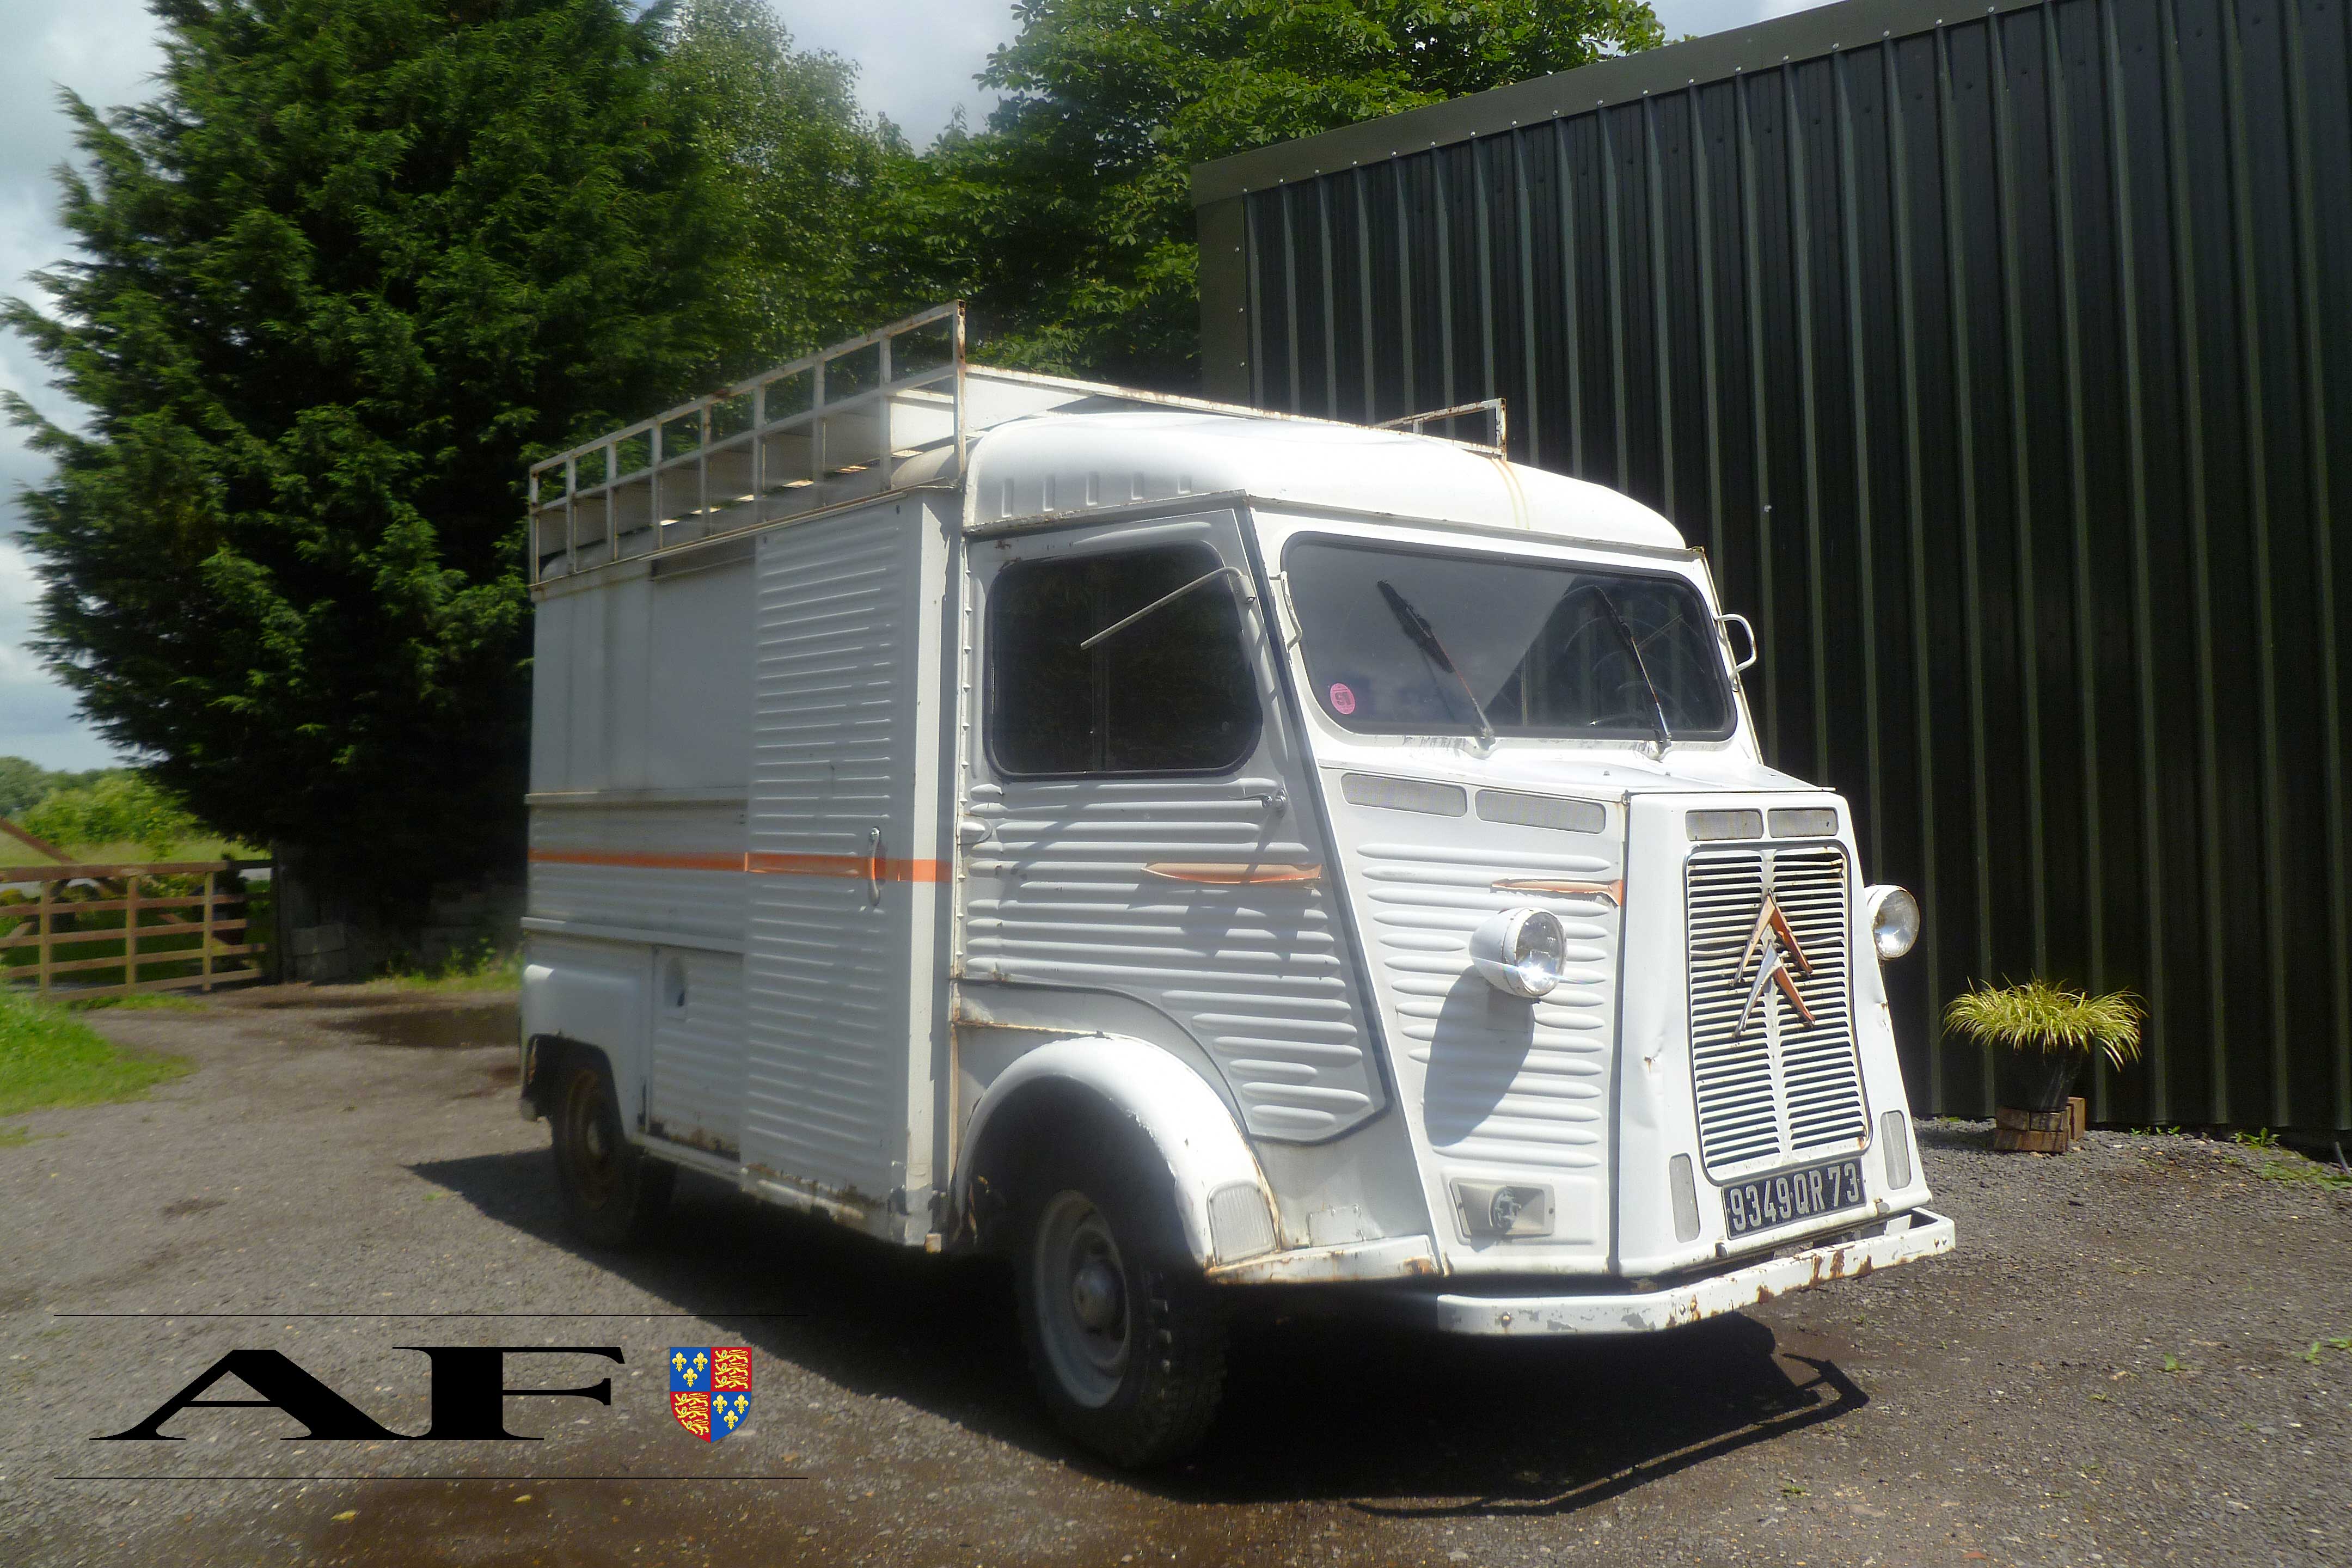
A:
[2288,1166]
[123,807]
[357,262]
[799,167]
[479,966]
[2040,1017]
[24,785]
[1068,219]
[49,1058]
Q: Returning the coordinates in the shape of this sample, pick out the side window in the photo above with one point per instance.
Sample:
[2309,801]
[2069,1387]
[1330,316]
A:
[1171,694]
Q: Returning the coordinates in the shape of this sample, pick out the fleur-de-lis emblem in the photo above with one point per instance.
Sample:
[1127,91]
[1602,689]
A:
[710,1388]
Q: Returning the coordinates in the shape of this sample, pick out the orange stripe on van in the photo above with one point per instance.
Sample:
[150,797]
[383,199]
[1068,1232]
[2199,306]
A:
[774,864]
[882,870]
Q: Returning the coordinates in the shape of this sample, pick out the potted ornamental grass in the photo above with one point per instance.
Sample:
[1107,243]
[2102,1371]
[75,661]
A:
[2046,1035]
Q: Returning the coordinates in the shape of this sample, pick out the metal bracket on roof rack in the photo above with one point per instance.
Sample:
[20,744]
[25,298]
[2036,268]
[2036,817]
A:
[1416,424]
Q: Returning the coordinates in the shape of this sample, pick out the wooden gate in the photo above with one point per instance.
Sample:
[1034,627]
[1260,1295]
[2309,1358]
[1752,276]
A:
[90,929]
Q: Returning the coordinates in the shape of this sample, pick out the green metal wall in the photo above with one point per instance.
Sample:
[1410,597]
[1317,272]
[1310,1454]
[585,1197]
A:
[2004,368]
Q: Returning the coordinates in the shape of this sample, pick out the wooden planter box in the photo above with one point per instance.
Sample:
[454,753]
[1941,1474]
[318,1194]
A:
[2040,1131]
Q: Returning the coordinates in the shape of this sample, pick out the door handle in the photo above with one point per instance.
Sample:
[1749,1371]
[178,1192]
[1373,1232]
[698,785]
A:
[873,867]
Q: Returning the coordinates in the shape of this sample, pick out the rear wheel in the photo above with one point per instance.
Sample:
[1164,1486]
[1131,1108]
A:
[613,1195]
[1127,1347]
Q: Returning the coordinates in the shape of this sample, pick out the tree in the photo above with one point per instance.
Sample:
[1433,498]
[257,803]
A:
[357,264]
[1068,220]
[25,784]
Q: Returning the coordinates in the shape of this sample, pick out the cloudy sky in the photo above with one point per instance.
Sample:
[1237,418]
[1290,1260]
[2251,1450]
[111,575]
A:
[917,59]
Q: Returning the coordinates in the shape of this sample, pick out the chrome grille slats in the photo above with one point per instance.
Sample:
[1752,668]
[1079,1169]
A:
[1759,1101]
[1817,1064]
[1738,1107]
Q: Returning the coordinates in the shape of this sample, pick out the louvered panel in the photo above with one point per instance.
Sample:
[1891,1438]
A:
[1819,1066]
[690,903]
[1256,975]
[1737,1099]
[696,1094]
[1758,1102]
[826,969]
[1512,1087]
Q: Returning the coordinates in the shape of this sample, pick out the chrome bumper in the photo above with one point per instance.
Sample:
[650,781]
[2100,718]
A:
[1924,1235]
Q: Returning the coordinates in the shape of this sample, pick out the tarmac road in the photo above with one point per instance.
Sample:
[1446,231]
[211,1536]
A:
[356,1154]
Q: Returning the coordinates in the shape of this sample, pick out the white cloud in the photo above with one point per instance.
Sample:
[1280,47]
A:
[105,50]
[916,59]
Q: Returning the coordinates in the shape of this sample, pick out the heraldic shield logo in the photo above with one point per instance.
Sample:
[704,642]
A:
[710,1388]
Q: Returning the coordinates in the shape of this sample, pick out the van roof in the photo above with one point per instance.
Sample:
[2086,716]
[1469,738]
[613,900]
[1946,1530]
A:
[1060,464]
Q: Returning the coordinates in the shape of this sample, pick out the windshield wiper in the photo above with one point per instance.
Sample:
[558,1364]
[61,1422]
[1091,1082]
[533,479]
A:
[1425,637]
[1634,647]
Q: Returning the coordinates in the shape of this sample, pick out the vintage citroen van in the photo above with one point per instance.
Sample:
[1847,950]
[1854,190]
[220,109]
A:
[1202,853]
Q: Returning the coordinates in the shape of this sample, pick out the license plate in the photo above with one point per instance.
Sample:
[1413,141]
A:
[1785,1197]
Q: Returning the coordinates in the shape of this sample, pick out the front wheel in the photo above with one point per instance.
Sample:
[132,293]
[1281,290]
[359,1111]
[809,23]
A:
[1127,1347]
[613,1195]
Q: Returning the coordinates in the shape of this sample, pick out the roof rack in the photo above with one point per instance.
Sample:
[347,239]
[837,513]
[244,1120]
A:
[835,425]
[890,410]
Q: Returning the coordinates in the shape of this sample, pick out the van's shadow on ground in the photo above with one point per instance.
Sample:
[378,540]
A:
[1404,1424]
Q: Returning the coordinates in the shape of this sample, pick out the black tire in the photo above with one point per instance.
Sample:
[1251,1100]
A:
[1127,1346]
[612,1193]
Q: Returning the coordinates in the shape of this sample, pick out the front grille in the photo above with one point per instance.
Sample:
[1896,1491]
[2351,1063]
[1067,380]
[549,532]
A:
[1758,1103]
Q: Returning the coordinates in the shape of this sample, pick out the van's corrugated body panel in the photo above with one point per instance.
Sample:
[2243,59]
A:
[573,879]
[1256,975]
[1498,1090]
[1999,362]
[833,749]
[695,1090]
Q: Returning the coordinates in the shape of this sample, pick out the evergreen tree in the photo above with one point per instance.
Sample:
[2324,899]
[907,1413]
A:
[358,262]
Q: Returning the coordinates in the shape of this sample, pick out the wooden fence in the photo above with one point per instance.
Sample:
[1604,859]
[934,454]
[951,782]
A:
[170,915]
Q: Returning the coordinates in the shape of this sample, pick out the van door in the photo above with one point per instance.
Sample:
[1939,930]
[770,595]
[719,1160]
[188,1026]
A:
[841,980]
[1138,821]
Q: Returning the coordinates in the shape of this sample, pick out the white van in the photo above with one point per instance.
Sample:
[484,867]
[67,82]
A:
[1197,852]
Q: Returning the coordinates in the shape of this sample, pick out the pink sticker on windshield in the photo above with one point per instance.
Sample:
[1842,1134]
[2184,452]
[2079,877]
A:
[1342,700]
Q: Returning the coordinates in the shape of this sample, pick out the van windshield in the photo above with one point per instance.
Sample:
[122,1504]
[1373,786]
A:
[1541,647]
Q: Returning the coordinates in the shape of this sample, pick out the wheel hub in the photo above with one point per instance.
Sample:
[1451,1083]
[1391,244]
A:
[1094,1295]
[1080,1285]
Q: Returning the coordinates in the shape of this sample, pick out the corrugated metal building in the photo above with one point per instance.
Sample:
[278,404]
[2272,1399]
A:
[2002,362]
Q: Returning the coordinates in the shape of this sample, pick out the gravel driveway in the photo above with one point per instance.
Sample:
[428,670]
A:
[2116,1367]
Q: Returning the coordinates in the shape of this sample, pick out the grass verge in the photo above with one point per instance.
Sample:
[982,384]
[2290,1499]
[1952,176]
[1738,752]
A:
[152,1002]
[49,1058]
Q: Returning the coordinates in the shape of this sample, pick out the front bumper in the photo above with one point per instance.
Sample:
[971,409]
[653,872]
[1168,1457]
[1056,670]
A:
[1921,1234]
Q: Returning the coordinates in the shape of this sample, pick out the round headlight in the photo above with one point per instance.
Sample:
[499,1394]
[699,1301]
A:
[1894,921]
[1520,952]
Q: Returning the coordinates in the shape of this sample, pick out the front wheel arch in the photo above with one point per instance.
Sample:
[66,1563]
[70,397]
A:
[1140,1095]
